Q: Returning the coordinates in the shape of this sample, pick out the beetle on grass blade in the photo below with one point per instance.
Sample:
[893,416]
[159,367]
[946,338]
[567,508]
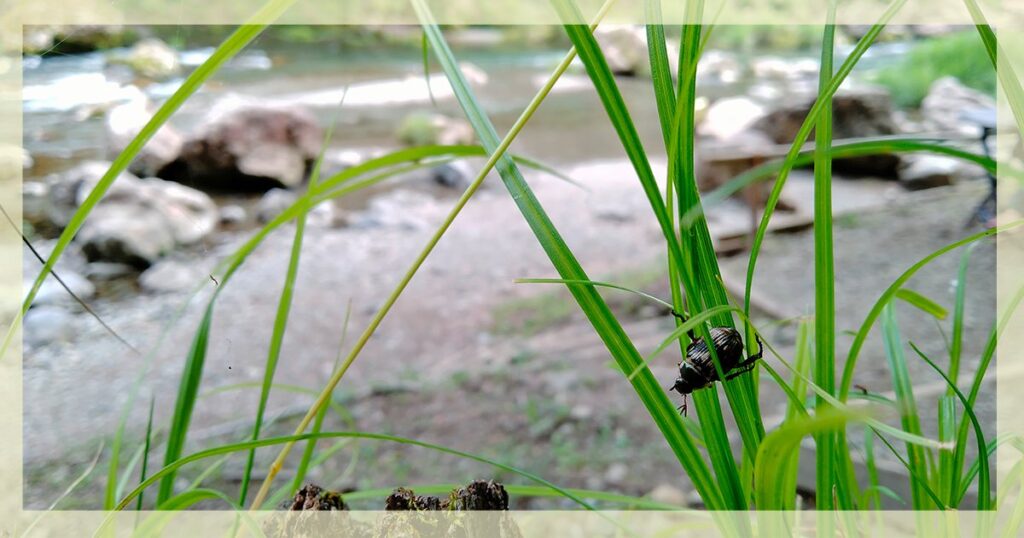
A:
[697,370]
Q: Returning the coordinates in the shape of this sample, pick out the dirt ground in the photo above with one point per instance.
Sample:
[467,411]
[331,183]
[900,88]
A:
[467,358]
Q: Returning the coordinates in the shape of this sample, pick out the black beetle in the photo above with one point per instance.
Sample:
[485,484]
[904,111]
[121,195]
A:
[697,370]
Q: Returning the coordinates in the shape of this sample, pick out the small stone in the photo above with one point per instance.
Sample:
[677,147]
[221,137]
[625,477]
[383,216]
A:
[52,293]
[232,215]
[170,276]
[48,324]
[103,271]
[273,203]
[928,171]
[152,59]
[616,474]
[581,412]
[454,175]
[667,494]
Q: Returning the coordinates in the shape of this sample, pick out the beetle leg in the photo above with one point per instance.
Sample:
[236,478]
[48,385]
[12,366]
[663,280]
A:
[741,369]
[682,408]
[682,318]
[760,350]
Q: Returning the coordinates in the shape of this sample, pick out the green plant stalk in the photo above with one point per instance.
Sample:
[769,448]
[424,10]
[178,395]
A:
[307,454]
[862,333]
[802,134]
[591,303]
[393,297]
[281,317]
[824,276]
[188,392]
[145,450]
[956,346]
[1007,76]
[979,376]
[227,50]
[802,361]
[706,402]
[909,416]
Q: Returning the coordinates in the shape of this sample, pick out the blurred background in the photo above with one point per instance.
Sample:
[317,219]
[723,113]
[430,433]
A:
[468,358]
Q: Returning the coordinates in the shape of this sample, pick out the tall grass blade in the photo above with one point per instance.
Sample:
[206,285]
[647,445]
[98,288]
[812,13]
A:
[1007,76]
[956,345]
[497,151]
[188,391]
[600,74]
[984,479]
[824,96]
[903,387]
[876,310]
[591,303]
[922,303]
[824,274]
[145,450]
[281,317]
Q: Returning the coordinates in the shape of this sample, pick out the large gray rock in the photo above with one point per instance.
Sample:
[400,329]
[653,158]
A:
[53,201]
[126,233]
[137,220]
[123,124]
[248,147]
[860,112]
[946,102]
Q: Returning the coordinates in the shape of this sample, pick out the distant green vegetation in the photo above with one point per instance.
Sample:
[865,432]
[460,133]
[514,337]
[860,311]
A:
[961,55]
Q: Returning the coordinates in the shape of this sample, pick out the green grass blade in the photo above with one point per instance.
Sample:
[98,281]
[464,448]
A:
[876,310]
[878,146]
[145,451]
[944,480]
[591,303]
[984,480]
[903,387]
[497,158]
[188,390]
[979,375]
[956,345]
[916,478]
[921,302]
[661,71]
[227,50]
[824,275]
[824,97]
[281,316]
[802,361]
[156,524]
[601,76]
[593,283]
[307,454]
[1007,76]
[778,448]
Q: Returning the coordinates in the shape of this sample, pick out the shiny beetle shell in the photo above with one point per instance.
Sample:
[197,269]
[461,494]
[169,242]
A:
[698,369]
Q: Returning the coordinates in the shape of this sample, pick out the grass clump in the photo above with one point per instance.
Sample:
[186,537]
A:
[961,55]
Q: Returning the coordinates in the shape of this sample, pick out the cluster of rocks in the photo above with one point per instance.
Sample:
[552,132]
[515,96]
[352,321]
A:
[742,132]
[406,514]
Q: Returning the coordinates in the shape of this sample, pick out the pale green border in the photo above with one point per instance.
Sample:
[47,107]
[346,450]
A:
[1006,15]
